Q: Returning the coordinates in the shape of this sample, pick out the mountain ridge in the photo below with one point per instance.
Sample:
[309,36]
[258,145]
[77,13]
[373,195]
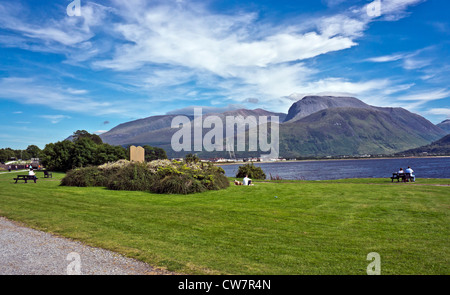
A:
[438,147]
[445,125]
[314,126]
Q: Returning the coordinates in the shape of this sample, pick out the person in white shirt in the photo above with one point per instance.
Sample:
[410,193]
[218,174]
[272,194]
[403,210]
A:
[247,181]
[410,171]
[31,172]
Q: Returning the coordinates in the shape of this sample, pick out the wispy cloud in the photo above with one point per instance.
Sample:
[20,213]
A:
[65,35]
[428,95]
[173,48]
[55,119]
[33,91]
[439,111]
[387,58]
[98,132]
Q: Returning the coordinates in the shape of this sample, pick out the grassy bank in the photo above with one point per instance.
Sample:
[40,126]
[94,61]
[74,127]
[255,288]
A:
[285,227]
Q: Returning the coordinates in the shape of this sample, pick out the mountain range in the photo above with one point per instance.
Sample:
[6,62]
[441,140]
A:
[445,125]
[314,126]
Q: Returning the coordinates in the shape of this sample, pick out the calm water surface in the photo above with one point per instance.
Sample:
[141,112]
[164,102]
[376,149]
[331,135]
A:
[339,169]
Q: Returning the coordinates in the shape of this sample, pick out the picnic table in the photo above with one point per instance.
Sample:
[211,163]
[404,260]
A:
[405,177]
[25,178]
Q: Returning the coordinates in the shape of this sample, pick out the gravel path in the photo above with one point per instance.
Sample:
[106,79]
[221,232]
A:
[25,251]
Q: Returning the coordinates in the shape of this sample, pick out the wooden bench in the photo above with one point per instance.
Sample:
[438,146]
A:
[405,177]
[25,178]
[47,174]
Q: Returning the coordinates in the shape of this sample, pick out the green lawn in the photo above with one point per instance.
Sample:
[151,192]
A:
[284,227]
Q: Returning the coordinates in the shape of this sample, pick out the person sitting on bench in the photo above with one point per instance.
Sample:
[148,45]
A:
[31,172]
[410,171]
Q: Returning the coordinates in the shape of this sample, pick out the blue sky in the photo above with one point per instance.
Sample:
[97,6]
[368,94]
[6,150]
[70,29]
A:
[124,60]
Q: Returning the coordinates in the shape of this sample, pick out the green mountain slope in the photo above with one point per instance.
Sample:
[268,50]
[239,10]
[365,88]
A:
[439,147]
[353,131]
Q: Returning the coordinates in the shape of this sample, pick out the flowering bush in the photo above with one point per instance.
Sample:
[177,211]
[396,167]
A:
[159,176]
[114,165]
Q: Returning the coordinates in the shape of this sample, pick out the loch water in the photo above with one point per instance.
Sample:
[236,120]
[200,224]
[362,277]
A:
[433,167]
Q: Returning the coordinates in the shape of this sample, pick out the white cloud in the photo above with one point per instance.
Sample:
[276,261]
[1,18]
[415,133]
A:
[415,63]
[216,43]
[439,111]
[425,96]
[55,119]
[37,92]
[386,58]
[415,60]
[166,47]
[65,35]
[205,109]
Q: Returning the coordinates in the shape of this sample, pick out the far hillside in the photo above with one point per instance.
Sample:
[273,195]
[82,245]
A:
[440,147]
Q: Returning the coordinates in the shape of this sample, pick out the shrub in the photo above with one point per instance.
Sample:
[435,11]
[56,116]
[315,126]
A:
[252,171]
[85,177]
[114,165]
[160,176]
[178,184]
[182,178]
[132,177]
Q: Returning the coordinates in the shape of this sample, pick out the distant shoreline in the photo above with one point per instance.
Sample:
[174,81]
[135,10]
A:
[327,160]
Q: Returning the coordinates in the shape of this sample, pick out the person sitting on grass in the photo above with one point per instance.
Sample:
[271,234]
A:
[410,171]
[247,181]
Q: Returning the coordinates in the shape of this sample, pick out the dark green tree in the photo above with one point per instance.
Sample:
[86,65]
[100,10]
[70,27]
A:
[58,156]
[154,153]
[251,171]
[84,152]
[34,151]
[65,155]
[108,153]
[6,154]
[79,134]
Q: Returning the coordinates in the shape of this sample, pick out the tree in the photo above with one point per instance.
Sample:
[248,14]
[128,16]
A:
[79,134]
[251,171]
[154,153]
[34,151]
[6,154]
[84,152]
[58,156]
[108,153]
[65,155]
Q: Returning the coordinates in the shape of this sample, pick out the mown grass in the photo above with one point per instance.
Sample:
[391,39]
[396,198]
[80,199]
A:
[284,227]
